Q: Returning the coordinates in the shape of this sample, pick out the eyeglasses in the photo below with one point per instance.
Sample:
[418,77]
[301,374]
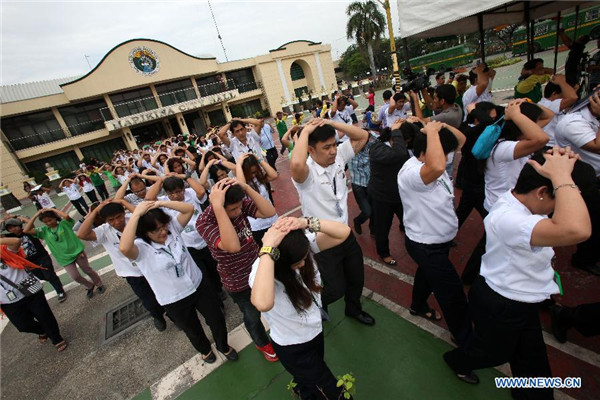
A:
[159,230]
[139,191]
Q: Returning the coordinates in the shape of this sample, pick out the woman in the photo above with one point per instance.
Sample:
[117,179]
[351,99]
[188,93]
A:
[286,288]
[72,190]
[368,122]
[88,187]
[516,270]
[28,313]
[179,165]
[121,174]
[65,246]
[371,97]
[257,174]
[97,181]
[109,173]
[153,240]
[215,171]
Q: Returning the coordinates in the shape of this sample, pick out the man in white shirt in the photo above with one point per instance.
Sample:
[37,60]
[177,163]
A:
[242,140]
[558,96]
[341,111]
[321,185]
[109,236]
[481,84]
[138,190]
[397,109]
[381,117]
[581,131]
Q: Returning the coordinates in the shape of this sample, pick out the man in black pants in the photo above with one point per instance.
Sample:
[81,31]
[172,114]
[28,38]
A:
[321,185]
[36,253]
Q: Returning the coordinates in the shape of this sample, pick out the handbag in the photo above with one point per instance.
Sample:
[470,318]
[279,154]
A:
[27,286]
[486,141]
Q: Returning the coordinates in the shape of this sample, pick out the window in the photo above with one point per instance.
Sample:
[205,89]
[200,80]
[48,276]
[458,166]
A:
[591,15]
[83,118]
[217,117]
[296,72]
[103,151]
[541,29]
[211,85]
[243,79]
[32,130]
[133,102]
[301,90]
[247,109]
[175,92]
[67,160]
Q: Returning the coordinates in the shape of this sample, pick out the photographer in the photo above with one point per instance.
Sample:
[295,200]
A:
[481,78]
[576,50]
[443,102]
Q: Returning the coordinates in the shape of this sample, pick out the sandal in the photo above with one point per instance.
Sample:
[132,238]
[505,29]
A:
[61,346]
[390,262]
[209,358]
[43,338]
[431,315]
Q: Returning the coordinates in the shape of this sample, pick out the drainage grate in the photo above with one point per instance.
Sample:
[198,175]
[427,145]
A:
[124,316]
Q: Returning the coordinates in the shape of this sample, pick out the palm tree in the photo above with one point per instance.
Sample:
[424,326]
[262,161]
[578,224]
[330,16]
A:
[366,25]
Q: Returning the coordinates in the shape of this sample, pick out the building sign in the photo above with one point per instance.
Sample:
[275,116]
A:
[167,111]
[144,61]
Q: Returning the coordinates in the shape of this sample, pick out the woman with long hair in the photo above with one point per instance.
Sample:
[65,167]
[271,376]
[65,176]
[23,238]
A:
[88,187]
[286,288]
[257,174]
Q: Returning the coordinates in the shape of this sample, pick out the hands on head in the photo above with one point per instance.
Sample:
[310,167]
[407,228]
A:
[558,161]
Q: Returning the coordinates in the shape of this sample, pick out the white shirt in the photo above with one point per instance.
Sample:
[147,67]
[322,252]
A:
[470,96]
[88,187]
[110,238]
[45,201]
[501,171]
[429,216]
[259,224]
[383,114]
[15,276]
[576,130]
[511,266]
[168,268]
[133,199]
[147,164]
[344,118]
[317,191]
[288,326]
[554,106]
[190,235]
[237,148]
[72,191]
[395,115]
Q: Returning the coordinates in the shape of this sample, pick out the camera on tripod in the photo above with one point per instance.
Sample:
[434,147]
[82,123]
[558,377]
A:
[416,81]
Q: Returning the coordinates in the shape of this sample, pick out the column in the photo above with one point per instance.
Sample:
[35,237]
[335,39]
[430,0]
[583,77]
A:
[182,124]
[12,171]
[167,127]
[195,85]
[286,90]
[111,107]
[226,111]
[128,139]
[320,71]
[78,152]
[61,122]
[155,94]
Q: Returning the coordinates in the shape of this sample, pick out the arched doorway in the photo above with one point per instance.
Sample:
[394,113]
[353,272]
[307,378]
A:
[302,78]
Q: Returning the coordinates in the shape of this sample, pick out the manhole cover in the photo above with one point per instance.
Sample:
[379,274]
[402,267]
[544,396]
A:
[124,316]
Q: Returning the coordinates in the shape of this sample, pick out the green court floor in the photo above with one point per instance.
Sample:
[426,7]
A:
[393,360]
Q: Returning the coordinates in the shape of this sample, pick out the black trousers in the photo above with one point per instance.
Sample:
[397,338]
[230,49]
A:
[81,206]
[307,366]
[142,289]
[585,318]
[435,273]
[272,157]
[364,203]
[383,215]
[251,317]
[343,274]
[183,313]
[472,197]
[208,266]
[47,274]
[92,196]
[587,252]
[258,235]
[102,191]
[504,331]
[33,314]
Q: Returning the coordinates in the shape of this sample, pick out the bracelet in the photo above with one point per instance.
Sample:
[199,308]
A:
[314,225]
[565,185]
[188,175]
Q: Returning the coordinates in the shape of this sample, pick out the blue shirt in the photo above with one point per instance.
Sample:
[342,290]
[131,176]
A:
[358,166]
[266,137]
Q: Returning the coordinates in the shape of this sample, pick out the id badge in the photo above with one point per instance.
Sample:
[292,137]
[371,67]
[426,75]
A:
[10,295]
[339,210]
[178,270]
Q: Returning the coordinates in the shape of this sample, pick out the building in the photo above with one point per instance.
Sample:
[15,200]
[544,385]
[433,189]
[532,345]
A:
[144,90]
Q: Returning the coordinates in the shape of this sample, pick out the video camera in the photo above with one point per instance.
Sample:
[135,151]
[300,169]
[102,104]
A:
[416,81]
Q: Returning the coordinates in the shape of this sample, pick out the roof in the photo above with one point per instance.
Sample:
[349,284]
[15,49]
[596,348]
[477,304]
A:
[32,90]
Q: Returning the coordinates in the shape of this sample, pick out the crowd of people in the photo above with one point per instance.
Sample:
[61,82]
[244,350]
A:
[192,221]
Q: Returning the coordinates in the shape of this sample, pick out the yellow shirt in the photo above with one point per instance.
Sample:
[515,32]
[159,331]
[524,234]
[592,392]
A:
[527,84]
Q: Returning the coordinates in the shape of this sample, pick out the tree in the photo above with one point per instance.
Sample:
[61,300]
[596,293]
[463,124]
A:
[505,34]
[366,25]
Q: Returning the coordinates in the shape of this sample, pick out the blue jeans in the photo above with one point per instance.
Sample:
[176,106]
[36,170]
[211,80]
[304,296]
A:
[251,316]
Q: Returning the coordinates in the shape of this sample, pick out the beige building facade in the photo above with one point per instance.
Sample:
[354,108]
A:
[145,90]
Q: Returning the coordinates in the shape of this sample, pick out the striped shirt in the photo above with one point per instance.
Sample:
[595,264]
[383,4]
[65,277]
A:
[358,166]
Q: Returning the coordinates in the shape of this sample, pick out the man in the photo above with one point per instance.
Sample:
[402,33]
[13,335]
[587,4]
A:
[321,185]
[267,144]
[460,84]
[36,253]
[580,130]
[443,102]
[397,109]
[242,140]
[225,227]
[576,50]
[281,127]
[381,117]
[481,78]
[558,96]
[359,177]
[138,189]
[439,79]
[109,236]
[348,94]
[341,111]
[533,76]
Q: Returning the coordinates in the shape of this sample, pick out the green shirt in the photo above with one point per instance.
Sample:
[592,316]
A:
[96,179]
[281,127]
[63,243]
[113,181]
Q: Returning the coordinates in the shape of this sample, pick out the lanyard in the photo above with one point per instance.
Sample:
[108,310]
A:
[445,185]
[177,266]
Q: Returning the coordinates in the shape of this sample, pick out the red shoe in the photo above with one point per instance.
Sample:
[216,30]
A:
[268,352]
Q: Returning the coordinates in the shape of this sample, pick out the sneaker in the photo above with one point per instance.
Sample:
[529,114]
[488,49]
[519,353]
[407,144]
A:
[62,297]
[100,289]
[160,325]
[90,293]
[268,352]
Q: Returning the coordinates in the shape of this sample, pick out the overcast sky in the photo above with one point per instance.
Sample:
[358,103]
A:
[49,39]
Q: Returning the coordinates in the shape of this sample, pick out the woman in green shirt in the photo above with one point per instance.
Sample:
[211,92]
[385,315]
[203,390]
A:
[108,171]
[65,246]
[97,182]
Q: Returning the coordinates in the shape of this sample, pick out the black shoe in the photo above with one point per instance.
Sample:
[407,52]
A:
[100,289]
[90,293]
[160,325]
[232,355]
[364,318]
[62,297]
[559,330]
[357,228]
[470,378]
[222,295]
[210,358]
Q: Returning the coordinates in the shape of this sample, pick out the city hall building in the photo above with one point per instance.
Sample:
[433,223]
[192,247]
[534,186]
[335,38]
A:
[144,90]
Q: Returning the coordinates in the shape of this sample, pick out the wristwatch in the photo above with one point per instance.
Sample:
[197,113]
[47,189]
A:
[273,252]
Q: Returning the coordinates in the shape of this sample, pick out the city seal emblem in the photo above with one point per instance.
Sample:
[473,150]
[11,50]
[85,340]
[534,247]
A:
[144,61]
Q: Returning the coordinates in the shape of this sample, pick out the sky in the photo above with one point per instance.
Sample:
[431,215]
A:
[49,39]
